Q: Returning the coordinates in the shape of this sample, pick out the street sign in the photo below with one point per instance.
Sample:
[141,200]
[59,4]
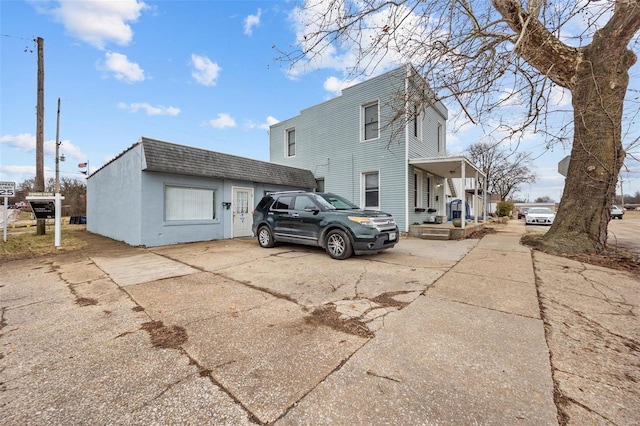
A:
[7,189]
[563,166]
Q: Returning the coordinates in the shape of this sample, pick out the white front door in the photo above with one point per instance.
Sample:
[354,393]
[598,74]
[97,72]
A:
[242,211]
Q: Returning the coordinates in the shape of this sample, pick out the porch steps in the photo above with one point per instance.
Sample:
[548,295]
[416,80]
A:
[435,234]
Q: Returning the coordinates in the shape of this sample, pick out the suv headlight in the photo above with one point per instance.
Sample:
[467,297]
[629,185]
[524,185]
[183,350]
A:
[364,221]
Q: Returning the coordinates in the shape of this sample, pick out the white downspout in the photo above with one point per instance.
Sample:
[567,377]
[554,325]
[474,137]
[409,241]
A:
[406,151]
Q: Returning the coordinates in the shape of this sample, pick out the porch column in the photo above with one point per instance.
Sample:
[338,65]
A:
[475,200]
[463,212]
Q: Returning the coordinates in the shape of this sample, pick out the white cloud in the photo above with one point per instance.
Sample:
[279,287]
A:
[27,142]
[119,65]
[23,141]
[264,126]
[150,109]
[205,71]
[98,22]
[224,120]
[345,55]
[252,21]
[336,85]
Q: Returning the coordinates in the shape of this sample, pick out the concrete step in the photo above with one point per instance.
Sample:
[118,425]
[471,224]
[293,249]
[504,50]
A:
[435,235]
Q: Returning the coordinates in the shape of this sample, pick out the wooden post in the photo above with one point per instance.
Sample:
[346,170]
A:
[39,182]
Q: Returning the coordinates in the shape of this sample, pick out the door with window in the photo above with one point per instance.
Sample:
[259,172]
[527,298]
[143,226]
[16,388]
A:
[241,204]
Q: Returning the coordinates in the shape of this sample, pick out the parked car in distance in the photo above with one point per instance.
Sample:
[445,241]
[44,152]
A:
[540,216]
[522,212]
[325,220]
[616,212]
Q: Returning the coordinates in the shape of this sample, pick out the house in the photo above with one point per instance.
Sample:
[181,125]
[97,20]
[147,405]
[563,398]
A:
[160,193]
[382,144]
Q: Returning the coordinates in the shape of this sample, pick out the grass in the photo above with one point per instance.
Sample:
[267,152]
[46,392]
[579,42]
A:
[27,244]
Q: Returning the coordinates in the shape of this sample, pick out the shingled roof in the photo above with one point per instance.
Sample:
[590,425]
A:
[168,157]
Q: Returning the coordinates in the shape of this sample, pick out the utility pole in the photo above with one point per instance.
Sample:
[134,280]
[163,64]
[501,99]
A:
[39,182]
[58,150]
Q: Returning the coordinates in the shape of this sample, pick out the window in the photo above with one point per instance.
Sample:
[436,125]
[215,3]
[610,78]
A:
[291,142]
[283,203]
[370,119]
[303,202]
[371,189]
[320,185]
[184,203]
[428,191]
[416,120]
[439,136]
[417,189]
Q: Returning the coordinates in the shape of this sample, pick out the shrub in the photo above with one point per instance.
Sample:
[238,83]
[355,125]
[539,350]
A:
[504,208]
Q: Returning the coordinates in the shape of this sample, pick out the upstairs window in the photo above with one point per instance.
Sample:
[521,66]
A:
[439,136]
[370,116]
[417,118]
[291,142]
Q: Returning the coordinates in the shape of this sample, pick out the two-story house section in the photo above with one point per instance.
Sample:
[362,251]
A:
[381,144]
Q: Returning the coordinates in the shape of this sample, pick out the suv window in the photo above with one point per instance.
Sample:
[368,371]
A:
[303,202]
[283,203]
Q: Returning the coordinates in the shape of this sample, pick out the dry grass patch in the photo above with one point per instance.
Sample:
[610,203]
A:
[28,244]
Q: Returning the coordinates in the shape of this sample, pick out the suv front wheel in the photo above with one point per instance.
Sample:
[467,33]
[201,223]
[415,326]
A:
[265,238]
[338,244]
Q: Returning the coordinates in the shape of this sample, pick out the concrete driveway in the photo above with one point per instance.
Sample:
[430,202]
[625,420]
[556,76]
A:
[225,332]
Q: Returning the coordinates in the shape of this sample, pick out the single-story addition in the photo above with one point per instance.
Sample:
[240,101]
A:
[159,193]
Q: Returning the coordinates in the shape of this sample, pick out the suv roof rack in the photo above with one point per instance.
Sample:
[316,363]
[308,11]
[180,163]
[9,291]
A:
[297,191]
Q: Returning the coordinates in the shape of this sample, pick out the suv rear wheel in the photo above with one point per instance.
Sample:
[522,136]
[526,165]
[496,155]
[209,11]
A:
[265,238]
[338,244]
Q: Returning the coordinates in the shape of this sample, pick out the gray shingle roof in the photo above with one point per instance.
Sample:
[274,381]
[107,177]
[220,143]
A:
[184,160]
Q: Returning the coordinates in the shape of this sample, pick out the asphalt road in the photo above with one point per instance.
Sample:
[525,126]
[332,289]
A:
[622,233]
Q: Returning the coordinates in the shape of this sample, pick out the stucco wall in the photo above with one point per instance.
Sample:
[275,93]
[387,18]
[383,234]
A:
[113,199]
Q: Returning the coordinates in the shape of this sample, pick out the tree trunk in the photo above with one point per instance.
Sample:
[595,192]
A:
[597,155]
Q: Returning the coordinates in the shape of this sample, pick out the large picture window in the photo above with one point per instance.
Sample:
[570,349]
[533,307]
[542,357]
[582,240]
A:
[184,203]
[371,190]
[370,120]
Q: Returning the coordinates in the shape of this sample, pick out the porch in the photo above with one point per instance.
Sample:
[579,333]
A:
[444,231]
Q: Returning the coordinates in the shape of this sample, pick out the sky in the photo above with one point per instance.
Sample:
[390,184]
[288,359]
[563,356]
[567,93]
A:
[198,73]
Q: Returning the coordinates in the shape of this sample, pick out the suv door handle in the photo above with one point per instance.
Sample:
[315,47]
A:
[295,214]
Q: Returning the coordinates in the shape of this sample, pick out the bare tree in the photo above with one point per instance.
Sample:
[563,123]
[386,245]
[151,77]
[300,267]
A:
[505,171]
[489,57]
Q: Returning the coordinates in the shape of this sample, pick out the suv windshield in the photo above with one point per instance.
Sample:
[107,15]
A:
[336,202]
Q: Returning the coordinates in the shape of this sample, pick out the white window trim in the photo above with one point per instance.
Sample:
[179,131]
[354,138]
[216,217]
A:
[286,142]
[418,121]
[419,191]
[362,120]
[214,219]
[363,190]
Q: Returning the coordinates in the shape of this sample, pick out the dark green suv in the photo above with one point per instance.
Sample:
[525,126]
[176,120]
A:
[325,220]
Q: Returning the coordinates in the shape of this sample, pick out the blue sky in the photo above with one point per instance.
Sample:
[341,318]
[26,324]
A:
[198,73]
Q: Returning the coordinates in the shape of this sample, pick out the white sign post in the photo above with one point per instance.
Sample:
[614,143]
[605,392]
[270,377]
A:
[7,189]
[45,205]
